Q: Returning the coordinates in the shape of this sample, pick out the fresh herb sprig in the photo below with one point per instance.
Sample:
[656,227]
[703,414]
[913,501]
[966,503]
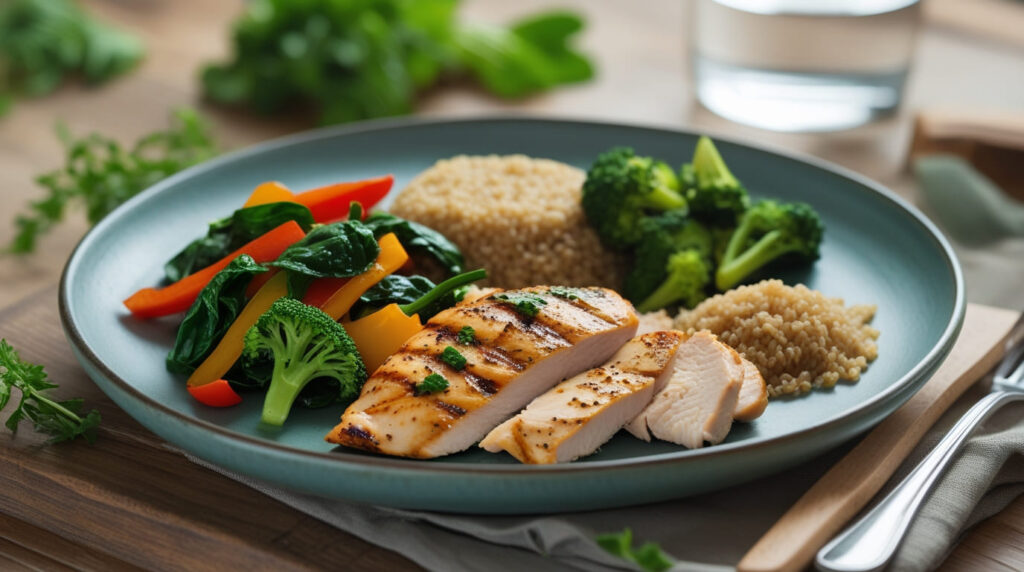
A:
[358,60]
[42,42]
[649,557]
[433,383]
[62,420]
[453,358]
[467,336]
[101,174]
[526,303]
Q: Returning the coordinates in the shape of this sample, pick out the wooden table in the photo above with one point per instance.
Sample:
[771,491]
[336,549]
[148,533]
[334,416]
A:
[157,508]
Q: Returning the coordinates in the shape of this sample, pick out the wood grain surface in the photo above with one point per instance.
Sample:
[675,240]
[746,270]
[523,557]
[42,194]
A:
[129,503]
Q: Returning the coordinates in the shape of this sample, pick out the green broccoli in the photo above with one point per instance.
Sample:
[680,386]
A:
[622,188]
[688,275]
[305,345]
[767,231]
[714,195]
[661,237]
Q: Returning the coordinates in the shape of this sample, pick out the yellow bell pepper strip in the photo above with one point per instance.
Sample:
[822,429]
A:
[392,256]
[383,332]
[229,349]
[269,192]
[327,203]
[217,393]
[152,302]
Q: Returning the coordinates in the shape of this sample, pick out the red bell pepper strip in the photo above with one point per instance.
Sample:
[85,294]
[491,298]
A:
[152,302]
[218,393]
[328,203]
[321,289]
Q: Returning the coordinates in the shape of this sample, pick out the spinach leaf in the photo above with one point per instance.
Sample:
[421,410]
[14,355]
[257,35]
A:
[231,233]
[217,306]
[337,250]
[419,240]
[393,289]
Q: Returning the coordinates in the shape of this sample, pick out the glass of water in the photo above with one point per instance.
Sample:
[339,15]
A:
[803,65]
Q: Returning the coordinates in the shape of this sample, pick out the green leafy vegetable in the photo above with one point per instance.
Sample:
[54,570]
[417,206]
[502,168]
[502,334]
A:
[525,303]
[452,357]
[44,41]
[419,241]
[649,557]
[433,383]
[357,60]
[101,174]
[304,344]
[394,289]
[62,420]
[229,234]
[467,336]
[337,250]
[210,316]
[453,288]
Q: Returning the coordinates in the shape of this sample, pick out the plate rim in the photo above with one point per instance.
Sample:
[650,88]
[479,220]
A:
[925,365]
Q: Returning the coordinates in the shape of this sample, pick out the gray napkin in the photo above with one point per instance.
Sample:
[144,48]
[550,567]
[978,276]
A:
[706,532]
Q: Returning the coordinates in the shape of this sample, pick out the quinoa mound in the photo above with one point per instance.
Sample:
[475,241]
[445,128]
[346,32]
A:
[518,217]
[797,337]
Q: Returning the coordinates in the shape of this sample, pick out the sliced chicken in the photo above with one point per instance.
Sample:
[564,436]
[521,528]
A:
[515,358]
[574,418]
[753,398]
[698,401]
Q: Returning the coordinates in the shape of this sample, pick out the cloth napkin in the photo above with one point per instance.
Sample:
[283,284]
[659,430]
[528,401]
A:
[708,532]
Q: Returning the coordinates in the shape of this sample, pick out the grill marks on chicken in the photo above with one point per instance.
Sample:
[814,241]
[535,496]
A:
[580,414]
[514,358]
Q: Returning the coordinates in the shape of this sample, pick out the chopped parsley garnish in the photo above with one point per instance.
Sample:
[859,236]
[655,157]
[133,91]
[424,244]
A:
[452,357]
[467,336]
[564,292]
[649,557]
[433,383]
[525,303]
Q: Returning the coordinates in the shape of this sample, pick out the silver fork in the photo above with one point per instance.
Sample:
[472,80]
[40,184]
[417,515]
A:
[869,543]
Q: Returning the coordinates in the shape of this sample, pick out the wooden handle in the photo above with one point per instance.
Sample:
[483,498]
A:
[839,495]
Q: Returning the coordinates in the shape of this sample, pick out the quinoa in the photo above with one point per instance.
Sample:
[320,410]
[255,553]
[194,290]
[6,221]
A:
[797,337]
[518,217]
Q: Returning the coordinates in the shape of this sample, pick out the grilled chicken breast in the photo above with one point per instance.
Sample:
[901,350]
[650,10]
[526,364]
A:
[582,413]
[514,358]
[698,402]
[753,397]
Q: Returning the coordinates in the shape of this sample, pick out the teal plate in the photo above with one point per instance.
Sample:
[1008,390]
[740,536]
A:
[877,250]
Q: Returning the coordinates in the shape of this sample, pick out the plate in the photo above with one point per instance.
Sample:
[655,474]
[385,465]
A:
[877,249]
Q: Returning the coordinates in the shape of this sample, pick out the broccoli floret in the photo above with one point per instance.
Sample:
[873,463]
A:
[688,276]
[662,236]
[715,196]
[767,231]
[622,188]
[305,344]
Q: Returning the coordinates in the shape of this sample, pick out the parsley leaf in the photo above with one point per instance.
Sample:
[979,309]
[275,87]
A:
[649,557]
[467,336]
[433,383]
[101,174]
[44,41]
[526,303]
[60,419]
[564,292]
[452,357]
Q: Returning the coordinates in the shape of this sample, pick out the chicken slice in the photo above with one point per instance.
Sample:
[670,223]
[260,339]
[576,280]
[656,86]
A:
[698,401]
[753,397]
[574,418]
[515,358]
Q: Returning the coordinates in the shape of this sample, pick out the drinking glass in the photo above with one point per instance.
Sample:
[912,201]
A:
[803,65]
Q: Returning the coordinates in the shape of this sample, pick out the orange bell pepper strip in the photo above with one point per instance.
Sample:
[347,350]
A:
[385,331]
[392,256]
[153,302]
[218,393]
[229,349]
[269,192]
[382,333]
[327,203]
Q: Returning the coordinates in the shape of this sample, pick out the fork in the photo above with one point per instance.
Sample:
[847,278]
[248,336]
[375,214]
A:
[870,542]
